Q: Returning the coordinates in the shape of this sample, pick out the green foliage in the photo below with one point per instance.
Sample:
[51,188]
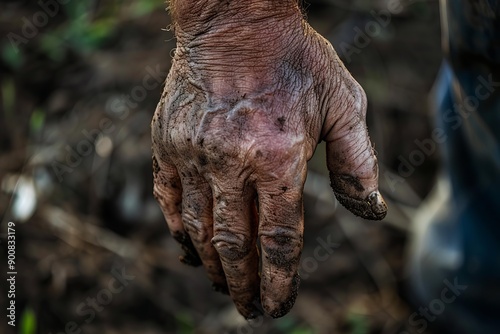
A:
[37,120]
[80,32]
[11,56]
[358,323]
[185,323]
[76,10]
[8,97]
[28,322]
[144,7]
[84,32]
[302,330]
[53,46]
[289,325]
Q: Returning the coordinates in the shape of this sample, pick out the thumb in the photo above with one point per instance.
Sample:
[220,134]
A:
[350,157]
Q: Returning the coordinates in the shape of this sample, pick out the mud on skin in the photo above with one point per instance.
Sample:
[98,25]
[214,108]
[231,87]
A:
[251,91]
[191,257]
[287,305]
[373,207]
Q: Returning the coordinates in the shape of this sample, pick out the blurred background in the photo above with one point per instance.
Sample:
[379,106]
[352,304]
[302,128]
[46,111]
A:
[79,82]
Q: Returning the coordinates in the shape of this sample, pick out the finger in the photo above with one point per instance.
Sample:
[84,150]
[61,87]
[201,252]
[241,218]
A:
[197,215]
[235,241]
[351,159]
[167,190]
[281,228]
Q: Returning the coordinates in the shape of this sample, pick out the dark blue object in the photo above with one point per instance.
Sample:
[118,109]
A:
[462,244]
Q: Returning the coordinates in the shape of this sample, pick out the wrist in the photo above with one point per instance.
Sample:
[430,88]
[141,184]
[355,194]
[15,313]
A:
[192,18]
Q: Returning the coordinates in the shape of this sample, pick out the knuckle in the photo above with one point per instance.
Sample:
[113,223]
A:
[169,204]
[282,247]
[358,100]
[232,246]
[194,227]
[283,154]
[212,148]
[348,114]
[157,194]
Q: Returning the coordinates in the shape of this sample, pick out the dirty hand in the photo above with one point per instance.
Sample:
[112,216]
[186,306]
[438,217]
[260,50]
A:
[252,90]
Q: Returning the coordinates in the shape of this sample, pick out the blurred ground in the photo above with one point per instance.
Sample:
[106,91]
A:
[93,251]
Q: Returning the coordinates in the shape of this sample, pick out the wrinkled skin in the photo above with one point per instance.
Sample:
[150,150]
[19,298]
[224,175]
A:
[252,90]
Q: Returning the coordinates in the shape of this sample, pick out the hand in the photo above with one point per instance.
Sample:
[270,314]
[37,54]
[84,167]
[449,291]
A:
[245,104]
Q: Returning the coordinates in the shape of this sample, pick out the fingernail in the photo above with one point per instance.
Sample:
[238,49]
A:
[377,204]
